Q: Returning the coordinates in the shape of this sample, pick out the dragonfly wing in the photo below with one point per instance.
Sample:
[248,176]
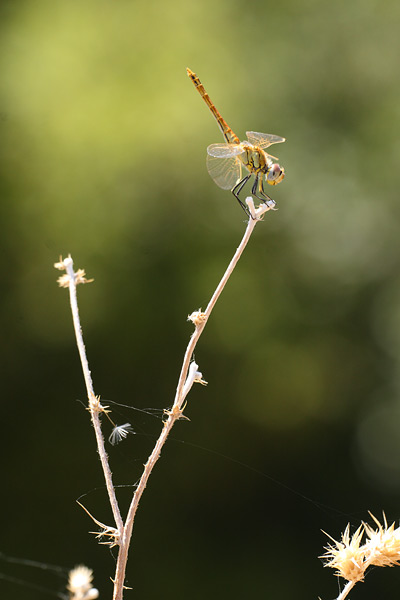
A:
[225,171]
[263,140]
[224,150]
[271,156]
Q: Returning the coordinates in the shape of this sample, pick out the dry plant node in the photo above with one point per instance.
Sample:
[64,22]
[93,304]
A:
[176,413]
[64,280]
[107,530]
[96,406]
[198,318]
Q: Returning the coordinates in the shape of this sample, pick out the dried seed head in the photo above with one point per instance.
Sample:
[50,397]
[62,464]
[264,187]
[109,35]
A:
[347,556]
[80,584]
[351,559]
[383,545]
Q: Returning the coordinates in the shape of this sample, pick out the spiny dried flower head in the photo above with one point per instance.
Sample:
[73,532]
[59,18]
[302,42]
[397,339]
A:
[383,544]
[351,559]
[80,584]
[347,556]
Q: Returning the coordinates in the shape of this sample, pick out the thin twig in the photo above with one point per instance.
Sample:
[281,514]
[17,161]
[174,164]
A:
[176,412]
[199,328]
[347,588]
[94,402]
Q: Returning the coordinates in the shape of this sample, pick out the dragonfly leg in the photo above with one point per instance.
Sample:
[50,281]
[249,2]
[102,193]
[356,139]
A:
[260,193]
[256,186]
[258,189]
[236,191]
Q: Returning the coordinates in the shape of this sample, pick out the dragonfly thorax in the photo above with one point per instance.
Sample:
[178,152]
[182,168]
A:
[257,161]
[254,158]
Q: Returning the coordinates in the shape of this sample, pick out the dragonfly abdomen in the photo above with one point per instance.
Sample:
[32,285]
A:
[227,132]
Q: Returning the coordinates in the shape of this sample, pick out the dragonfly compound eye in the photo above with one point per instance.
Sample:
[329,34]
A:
[275,174]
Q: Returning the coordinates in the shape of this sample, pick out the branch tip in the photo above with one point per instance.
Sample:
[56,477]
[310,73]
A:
[259,212]
[62,264]
[75,277]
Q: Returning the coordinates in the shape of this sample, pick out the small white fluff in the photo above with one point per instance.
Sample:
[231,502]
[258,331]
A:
[119,433]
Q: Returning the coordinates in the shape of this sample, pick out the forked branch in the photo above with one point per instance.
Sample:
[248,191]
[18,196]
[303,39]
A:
[188,376]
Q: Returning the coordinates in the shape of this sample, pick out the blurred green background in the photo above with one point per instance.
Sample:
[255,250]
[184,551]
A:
[103,141]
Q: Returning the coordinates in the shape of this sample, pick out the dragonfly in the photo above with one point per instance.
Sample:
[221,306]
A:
[232,164]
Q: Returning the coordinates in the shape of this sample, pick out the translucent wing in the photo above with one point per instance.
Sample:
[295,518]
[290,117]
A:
[263,140]
[224,150]
[225,171]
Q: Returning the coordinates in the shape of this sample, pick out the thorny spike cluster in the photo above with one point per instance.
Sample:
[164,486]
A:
[351,558]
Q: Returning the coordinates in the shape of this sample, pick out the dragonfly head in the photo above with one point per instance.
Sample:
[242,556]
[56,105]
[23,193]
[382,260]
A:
[275,174]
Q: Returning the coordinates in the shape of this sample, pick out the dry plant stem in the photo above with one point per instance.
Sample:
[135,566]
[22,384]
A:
[347,588]
[93,401]
[176,412]
[199,329]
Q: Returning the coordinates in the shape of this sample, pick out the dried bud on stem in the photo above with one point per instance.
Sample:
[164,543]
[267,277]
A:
[80,584]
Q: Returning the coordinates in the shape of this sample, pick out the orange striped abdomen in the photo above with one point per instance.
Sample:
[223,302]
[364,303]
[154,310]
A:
[227,132]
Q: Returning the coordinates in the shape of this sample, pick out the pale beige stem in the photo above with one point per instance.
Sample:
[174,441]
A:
[94,403]
[347,588]
[176,412]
